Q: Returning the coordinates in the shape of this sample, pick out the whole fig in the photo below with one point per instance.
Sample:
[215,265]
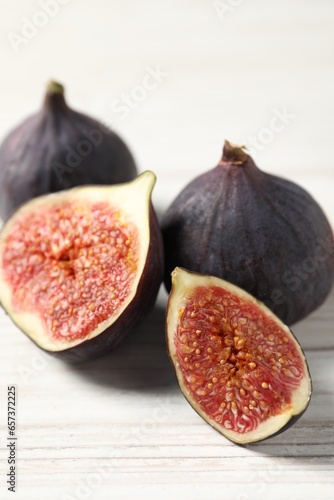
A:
[56,149]
[261,232]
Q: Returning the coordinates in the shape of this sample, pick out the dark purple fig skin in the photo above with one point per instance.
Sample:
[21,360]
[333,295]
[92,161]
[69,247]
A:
[261,232]
[136,311]
[46,154]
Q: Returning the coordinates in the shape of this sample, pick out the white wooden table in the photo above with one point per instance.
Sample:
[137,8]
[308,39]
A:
[118,427]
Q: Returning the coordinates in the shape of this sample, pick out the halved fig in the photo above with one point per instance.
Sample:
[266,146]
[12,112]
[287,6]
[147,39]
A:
[80,268]
[237,364]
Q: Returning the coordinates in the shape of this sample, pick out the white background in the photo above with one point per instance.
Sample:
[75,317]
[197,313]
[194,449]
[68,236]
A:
[226,71]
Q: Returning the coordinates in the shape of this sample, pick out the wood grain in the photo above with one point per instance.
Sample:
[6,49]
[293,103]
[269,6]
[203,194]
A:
[120,424]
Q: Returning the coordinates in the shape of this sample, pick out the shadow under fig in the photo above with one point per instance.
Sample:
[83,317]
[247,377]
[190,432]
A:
[140,363]
[291,447]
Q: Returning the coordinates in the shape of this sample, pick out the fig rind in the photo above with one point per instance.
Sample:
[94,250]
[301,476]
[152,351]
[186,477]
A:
[183,285]
[133,199]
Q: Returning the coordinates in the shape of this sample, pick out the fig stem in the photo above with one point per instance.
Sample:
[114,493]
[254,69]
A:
[234,154]
[54,87]
[54,99]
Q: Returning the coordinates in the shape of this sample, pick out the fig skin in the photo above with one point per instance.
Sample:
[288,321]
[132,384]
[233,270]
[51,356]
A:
[261,232]
[146,289]
[183,282]
[59,148]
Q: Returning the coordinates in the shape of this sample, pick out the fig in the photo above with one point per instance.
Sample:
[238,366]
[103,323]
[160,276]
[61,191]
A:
[263,233]
[57,149]
[237,364]
[80,268]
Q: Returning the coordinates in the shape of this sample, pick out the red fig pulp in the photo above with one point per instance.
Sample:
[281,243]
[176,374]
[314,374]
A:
[237,364]
[80,268]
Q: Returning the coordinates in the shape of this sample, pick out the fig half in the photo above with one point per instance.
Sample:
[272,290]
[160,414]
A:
[237,364]
[59,148]
[80,268]
[258,231]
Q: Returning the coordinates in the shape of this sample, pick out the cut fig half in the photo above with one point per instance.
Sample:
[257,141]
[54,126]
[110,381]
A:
[237,364]
[80,268]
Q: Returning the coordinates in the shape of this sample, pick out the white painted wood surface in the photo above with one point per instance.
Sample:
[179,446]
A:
[119,427]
